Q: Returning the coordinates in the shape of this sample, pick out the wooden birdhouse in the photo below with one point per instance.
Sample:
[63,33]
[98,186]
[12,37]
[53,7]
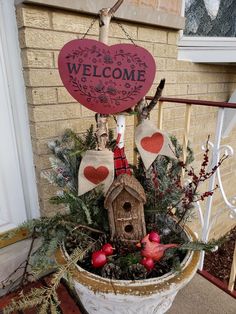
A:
[124,201]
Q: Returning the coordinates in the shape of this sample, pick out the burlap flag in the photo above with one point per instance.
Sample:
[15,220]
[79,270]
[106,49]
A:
[152,142]
[96,168]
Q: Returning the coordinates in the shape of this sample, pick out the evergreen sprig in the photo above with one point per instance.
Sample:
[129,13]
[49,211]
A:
[162,181]
[45,298]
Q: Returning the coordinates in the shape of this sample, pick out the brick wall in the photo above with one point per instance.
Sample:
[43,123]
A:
[42,33]
[172,7]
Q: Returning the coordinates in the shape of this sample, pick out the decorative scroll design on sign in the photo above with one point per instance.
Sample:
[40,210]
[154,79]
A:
[106,79]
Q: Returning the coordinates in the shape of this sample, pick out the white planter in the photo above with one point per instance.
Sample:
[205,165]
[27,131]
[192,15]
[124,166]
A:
[104,296]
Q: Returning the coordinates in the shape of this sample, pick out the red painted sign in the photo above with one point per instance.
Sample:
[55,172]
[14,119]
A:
[106,79]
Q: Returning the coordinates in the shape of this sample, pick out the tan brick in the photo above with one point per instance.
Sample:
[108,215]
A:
[52,129]
[116,31]
[48,190]
[44,39]
[173,38]
[21,36]
[55,57]
[191,77]
[42,162]
[55,112]
[68,22]
[86,112]
[146,45]
[48,209]
[161,64]
[33,17]
[230,86]
[165,51]
[171,77]
[42,77]
[64,96]
[170,6]
[38,96]
[220,87]
[37,59]
[152,90]
[41,146]
[176,65]
[175,90]
[197,88]
[217,77]
[152,35]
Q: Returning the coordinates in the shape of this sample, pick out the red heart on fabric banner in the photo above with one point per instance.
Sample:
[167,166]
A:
[96,175]
[106,79]
[154,143]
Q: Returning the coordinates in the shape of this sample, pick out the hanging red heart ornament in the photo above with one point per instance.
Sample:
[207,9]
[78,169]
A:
[106,79]
[153,144]
[96,175]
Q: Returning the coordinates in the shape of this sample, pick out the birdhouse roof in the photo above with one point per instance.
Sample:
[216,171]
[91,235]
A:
[128,183]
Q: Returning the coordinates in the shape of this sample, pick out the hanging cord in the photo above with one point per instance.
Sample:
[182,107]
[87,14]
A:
[90,26]
[126,33]
[118,23]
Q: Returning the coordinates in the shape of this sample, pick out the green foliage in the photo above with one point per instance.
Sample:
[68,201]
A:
[162,181]
[87,209]
[45,298]
[201,246]
[84,215]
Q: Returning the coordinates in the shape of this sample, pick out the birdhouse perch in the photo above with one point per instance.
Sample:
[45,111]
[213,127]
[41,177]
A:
[124,201]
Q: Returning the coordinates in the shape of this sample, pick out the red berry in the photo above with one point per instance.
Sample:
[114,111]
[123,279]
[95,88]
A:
[99,259]
[107,249]
[148,263]
[154,237]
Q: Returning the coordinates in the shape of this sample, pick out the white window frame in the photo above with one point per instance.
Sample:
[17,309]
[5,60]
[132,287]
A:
[18,195]
[206,49]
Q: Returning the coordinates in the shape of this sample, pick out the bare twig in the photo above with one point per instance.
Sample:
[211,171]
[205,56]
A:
[25,273]
[157,95]
[105,16]
[143,109]
[115,7]
[102,130]
[88,228]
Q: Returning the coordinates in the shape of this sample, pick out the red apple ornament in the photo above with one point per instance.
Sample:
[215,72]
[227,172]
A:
[107,249]
[154,237]
[99,259]
[148,263]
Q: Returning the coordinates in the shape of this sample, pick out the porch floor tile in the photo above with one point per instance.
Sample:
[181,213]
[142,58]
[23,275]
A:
[200,296]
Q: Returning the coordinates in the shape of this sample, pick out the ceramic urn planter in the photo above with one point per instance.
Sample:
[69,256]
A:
[105,296]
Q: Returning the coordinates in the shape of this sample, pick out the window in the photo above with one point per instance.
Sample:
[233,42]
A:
[210,31]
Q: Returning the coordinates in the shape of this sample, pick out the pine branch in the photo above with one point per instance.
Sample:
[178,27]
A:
[201,246]
[46,297]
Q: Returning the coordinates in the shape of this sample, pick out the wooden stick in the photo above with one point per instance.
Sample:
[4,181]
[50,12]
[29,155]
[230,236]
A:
[105,16]
[115,7]
[135,155]
[233,272]
[186,131]
[160,115]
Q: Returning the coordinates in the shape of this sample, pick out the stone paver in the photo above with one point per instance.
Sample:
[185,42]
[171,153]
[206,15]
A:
[200,297]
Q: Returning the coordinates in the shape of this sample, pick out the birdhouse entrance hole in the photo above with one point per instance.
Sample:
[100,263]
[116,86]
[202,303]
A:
[127,206]
[129,228]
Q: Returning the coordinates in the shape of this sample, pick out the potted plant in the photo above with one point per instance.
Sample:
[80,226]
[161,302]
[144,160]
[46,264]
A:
[114,271]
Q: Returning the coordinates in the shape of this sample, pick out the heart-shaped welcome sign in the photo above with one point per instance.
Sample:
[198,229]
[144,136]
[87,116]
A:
[106,79]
